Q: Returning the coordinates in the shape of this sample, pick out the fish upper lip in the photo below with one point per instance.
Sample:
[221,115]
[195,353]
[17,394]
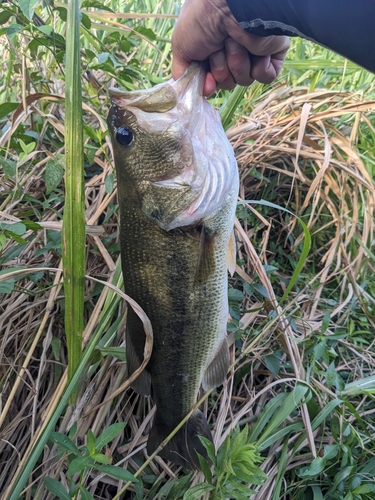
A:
[187,92]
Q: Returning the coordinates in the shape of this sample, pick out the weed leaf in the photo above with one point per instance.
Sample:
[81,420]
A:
[117,472]
[78,465]
[85,495]
[54,175]
[101,458]
[28,7]
[56,488]
[65,443]
[198,491]
[108,434]
[9,167]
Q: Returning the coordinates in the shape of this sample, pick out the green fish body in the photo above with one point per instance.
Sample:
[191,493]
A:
[177,187]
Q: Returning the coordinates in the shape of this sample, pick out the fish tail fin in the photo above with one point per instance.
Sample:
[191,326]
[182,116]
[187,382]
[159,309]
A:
[182,449]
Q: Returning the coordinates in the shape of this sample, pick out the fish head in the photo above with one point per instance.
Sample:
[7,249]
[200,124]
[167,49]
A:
[169,145]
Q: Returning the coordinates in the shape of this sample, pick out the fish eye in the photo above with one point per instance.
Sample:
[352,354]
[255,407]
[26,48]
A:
[124,136]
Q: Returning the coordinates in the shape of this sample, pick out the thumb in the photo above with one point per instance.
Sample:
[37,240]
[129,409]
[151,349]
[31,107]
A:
[179,63]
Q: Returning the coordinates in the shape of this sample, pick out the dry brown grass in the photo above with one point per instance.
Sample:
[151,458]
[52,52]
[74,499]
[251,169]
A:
[305,145]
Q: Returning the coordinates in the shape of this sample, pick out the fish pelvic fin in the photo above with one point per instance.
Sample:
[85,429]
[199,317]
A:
[142,384]
[182,449]
[231,255]
[217,370]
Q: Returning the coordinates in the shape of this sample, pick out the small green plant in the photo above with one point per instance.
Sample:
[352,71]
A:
[234,467]
[82,460]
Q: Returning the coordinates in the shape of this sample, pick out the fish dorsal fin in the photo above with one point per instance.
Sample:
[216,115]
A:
[217,370]
[206,257]
[231,255]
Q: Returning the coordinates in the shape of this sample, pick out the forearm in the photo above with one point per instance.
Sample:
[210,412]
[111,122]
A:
[344,26]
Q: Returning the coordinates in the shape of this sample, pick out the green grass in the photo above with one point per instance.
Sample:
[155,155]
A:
[296,417]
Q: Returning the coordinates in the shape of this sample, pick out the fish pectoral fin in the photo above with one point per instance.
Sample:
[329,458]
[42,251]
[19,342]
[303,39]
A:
[231,255]
[206,257]
[142,384]
[182,449]
[217,370]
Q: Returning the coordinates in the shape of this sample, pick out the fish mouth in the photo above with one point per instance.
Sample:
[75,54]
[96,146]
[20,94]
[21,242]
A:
[187,92]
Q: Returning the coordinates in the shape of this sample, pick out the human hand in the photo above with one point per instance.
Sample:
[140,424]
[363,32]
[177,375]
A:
[206,29]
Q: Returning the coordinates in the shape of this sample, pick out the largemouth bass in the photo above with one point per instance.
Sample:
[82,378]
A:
[177,188]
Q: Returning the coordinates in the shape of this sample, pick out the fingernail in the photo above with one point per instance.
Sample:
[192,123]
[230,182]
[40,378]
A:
[231,46]
[217,59]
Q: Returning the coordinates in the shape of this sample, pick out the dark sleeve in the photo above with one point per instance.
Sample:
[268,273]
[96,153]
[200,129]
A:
[344,26]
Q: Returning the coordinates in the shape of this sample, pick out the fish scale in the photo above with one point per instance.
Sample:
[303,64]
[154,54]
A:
[177,197]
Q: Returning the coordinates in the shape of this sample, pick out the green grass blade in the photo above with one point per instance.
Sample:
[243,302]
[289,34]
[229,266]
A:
[305,248]
[73,236]
[290,403]
[229,107]
[38,449]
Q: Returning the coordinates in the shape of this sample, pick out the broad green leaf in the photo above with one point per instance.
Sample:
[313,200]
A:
[368,467]
[65,443]
[197,491]
[364,489]
[109,434]
[261,289]
[331,451]
[28,7]
[272,362]
[96,5]
[34,226]
[5,109]
[54,174]
[45,29]
[78,465]
[9,167]
[91,442]
[109,183]
[317,492]
[17,228]
[314,469]
[15,237]
[102,459]
[27,148]
[85,495]
[5,15]
[7,286]
[117,472]
[56,488]
[235,294]
[331,375]
[13,29]
[210,448]
[86,21]
[3,240]
[205,468]
[342,475]
[325,322]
